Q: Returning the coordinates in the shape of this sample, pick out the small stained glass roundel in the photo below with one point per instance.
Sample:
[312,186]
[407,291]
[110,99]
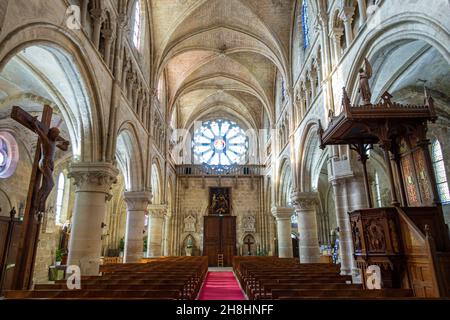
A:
[9,155]
[220,142]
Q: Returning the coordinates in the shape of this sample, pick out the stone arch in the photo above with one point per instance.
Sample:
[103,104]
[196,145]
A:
[87,109]
[408,26]
[156,182]
[285,187]
[311,158]
[129,156]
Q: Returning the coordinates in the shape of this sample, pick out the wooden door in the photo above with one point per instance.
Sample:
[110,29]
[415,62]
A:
[219,238]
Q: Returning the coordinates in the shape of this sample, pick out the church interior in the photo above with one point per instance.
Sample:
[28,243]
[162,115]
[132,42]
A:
[295,149]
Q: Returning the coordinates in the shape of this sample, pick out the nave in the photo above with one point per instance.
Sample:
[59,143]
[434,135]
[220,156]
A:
[188,278]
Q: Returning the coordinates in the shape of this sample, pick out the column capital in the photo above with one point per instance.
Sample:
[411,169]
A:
[304,200]
[93,177]
[157,210]
[137,200]
[336,33]
[98,14]
[346,14]
[282,212]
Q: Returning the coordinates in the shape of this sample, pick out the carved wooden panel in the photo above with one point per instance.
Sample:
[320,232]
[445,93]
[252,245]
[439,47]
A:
[422,178]
[410,181]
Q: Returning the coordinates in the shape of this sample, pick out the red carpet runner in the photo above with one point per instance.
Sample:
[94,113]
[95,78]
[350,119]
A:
[221,286]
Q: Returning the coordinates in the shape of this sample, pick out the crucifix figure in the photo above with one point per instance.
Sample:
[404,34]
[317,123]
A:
[49,140]
[41,184]
[249,244]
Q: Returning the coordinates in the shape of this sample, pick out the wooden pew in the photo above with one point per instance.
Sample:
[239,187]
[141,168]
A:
[284,279]
[166,278]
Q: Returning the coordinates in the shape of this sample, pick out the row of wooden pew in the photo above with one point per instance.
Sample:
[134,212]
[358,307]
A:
[166,278]
[286,279]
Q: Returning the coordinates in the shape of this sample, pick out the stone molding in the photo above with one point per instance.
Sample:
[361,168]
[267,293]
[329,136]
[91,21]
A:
[93,177]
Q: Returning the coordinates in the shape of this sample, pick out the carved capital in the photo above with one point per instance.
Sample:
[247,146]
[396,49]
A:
[108,34]
[94,177]
[157,211]
[137,201]
[304,200]
[281,213]
[347,14]
[98,14]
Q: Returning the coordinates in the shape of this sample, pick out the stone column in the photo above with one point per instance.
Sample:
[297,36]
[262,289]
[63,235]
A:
[93,182]
[166,236]
[98,15]
[155,230]
[347,17]
[283,218]
[343,222]
[305,207]
[362,7]
[108,34]
[336,35]
[137,203]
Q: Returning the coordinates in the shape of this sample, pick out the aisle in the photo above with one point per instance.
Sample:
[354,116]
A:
[221,285]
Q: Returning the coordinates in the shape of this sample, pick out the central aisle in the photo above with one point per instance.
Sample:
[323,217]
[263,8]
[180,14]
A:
[221,285]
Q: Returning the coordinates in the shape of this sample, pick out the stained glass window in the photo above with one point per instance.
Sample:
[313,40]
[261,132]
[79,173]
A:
[305,25]
[137,25]
[4,157]
[439,170]
[9,155]
[59,197]
[220,142]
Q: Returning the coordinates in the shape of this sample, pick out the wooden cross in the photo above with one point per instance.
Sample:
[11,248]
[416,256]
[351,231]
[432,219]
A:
[41,183]
[249,245]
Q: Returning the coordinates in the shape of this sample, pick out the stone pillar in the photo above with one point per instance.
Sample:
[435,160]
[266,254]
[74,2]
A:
[336,35]
[93,182]
[155,230]
[98,15]
[305,207]
[137,203]
[347,17]
[343,222]
[362,7]
[108,34]
[84,12]
[166,236]
[283,218]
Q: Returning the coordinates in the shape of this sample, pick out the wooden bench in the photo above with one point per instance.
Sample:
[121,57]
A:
[287,279]
[165,278]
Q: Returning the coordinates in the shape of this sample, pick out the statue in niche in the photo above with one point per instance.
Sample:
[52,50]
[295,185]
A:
[248,224]
[189,223]
[189,245]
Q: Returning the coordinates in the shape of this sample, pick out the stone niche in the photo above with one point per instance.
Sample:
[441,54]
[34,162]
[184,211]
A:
[193,202]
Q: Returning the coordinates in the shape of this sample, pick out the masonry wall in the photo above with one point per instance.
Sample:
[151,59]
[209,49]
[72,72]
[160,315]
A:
[246,198]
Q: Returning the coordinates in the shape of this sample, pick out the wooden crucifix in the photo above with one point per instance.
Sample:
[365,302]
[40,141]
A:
[41,184]
[249,244]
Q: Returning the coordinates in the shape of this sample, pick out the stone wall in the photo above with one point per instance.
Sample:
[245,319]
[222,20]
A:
[246,198]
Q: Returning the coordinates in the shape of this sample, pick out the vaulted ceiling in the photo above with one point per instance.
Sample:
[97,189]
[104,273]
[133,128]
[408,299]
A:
[220,56]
